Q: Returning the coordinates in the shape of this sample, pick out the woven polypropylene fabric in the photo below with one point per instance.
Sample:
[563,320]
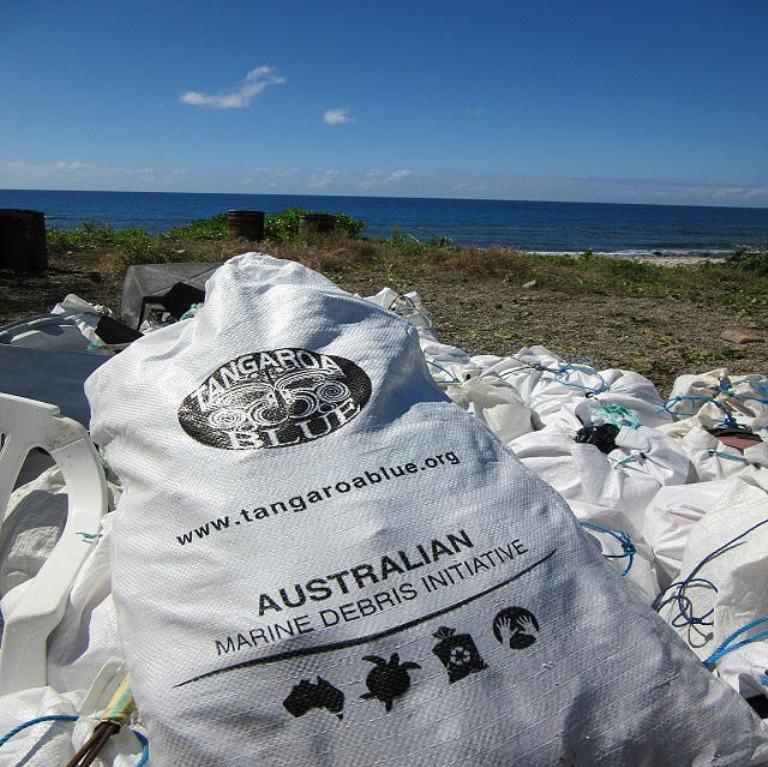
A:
[320,560]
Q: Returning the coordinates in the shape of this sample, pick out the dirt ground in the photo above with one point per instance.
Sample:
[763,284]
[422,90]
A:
[659,338]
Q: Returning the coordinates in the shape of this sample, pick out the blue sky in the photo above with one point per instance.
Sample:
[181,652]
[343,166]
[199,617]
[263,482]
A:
[617,101]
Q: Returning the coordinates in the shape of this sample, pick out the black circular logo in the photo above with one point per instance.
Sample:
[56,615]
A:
[274,398]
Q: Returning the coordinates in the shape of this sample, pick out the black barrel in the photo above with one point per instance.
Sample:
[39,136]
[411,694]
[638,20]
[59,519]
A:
[246,224]
[22,240]
[317,225]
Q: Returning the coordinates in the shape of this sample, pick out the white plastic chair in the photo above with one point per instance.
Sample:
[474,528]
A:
[34,608]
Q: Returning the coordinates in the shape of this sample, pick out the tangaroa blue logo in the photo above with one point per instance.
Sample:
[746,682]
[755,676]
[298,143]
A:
[274,398]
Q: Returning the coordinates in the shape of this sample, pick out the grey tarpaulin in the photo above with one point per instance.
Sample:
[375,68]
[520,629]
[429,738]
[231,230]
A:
[50,376]
[148,280]
[54,332]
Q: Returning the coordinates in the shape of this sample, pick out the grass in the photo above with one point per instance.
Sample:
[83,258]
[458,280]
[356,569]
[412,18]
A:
[739,283]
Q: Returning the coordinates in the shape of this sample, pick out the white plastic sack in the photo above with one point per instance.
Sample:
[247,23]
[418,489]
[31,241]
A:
[34,521]
[723,581]
[669,518]
[447,364]
[493,402]
[745,396]
[320,560]
[643,461]
[711,458]
[622,544]
[569,395]
[55,743]
[84,314]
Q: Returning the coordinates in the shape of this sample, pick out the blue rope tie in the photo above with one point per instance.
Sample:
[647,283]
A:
[618,415]
[671,401]
[757,386]
[622,536]
[679,592]
[729,644]
[729,456]
[23,726]
[631,458]
[143,758]
[564,370]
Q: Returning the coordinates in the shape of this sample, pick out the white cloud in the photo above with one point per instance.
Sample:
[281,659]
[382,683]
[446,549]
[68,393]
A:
[376,177]
[320,180]
[271,176]
[398,175]
[337,116]
[474,111]
[74,174]
[255,82]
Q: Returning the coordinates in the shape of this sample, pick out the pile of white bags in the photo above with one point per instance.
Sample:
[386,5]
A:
[346,569]
[713,459]
[319,559]
[721,586]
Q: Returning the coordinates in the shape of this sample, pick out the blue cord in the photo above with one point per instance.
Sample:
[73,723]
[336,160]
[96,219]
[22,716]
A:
[144,748]
[23,726]
[143,758]
[757,386]
[563,370]
[622,536]
[679,591]
[631,458]
[729,644]
[729,456]
[618,415]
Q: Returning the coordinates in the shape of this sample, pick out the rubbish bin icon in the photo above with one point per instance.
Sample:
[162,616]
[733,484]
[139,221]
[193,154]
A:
[458,653]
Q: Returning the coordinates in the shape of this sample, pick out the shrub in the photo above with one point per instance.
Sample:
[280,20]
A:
[214,228]
[751,260]
[285,224]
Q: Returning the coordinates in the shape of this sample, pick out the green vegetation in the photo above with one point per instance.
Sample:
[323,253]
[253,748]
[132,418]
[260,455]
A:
[739,282]
[285,225]
[749,260]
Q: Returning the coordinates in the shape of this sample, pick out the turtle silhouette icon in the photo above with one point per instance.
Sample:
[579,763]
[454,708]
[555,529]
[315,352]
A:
[516,627]
[388,680]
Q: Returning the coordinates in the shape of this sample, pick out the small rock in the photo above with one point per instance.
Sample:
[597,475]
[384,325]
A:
[499,306]
[741,336]
[529,285]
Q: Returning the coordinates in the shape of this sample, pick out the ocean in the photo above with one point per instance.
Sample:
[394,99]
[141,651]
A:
[563,227]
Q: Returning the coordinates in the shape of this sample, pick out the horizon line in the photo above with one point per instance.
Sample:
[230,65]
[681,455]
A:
[394,197]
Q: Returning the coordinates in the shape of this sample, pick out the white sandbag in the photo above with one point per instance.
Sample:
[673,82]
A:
[409,306]
[669,518]
[34,521]
[83,314]
[721,586]
[622,544]
[711,458]
[47,743]
[627,478]
[447,364]
[54,743]
[568,395]
[493,402]
[87,636]
[744,395]
[320,560]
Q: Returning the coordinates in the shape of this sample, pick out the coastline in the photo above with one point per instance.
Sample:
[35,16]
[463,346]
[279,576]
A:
[660,316]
